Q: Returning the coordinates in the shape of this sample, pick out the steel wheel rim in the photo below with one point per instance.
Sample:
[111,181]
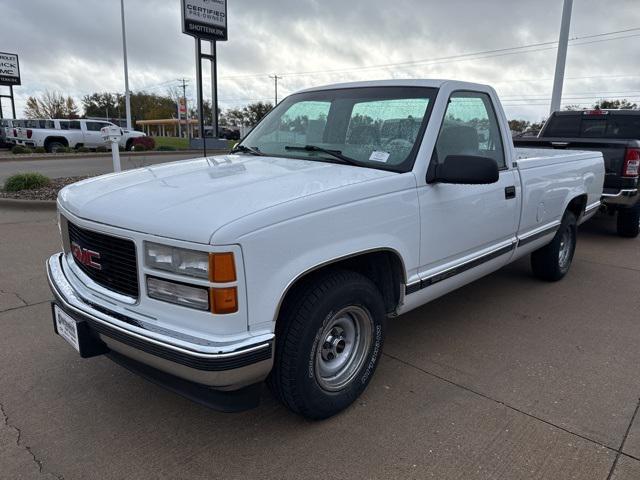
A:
[564,256]
[342,347]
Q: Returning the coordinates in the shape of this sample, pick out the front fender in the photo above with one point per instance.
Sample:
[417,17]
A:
[277,255]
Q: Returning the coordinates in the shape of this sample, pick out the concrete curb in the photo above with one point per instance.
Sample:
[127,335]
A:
[66,156]
[19,204]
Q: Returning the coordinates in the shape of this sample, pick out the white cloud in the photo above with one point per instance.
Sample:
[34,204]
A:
[74,46]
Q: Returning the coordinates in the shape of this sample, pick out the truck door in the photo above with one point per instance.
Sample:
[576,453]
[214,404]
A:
[464,226]
[92,134]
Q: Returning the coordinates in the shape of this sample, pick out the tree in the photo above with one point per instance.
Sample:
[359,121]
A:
[51,105]
[100,105]
[254,112]
[246,116]
[519,125]
[206,107]
[614,104]
[537,126]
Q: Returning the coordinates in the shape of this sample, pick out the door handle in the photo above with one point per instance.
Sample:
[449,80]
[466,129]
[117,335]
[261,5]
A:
[510,192]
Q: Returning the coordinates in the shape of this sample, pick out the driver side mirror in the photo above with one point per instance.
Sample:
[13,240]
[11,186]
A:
[467,170]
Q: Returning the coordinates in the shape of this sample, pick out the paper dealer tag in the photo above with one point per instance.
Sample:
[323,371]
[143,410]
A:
[378,156]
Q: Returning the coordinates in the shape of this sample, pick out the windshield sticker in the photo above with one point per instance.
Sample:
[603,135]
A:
[379,156]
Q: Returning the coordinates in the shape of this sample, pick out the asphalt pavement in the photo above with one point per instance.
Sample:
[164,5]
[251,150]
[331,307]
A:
[506,378]
[85,166]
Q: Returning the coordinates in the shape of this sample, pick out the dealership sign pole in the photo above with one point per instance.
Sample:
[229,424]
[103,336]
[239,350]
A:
[9,76]
[206,20]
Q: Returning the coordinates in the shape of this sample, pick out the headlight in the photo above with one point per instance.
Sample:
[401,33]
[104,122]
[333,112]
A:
[178,293]
[177,260]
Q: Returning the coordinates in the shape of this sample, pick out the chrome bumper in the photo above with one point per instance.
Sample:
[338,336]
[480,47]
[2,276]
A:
[624,197]
[224,367]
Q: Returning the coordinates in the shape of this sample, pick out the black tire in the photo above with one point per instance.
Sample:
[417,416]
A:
[552,262]
[306,341]
[53,147]
[129,145]
[628,221]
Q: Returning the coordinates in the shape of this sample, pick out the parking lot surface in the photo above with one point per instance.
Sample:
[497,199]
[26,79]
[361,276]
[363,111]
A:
[507,378]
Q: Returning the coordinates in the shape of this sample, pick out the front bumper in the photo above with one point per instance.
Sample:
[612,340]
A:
[626,197]
[200,363]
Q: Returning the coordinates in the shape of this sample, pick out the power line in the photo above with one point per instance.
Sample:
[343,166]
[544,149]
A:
[460,57]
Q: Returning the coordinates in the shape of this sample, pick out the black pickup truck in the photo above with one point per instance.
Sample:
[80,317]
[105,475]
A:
[615,133]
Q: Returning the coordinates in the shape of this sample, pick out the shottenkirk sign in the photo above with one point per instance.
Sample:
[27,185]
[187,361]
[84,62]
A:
[9,69]
[205,19]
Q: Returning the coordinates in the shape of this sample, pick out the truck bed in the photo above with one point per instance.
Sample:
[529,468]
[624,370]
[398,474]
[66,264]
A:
[535,157]
[543,206]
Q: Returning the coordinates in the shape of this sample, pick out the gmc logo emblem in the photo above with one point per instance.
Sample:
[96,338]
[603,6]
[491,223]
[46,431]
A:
[85,256]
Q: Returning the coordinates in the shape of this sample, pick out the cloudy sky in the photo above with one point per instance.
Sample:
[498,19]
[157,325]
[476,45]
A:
[74,46]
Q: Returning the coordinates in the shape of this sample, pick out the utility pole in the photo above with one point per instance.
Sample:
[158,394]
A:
[561,59]
[275,79]
[186,109]
[127,94]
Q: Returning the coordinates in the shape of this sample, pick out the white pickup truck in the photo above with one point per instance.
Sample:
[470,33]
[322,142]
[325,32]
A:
[346,206]
[55,134]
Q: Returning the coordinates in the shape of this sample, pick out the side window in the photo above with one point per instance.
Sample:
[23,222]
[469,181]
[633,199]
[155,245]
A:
[96,126]
[74,125]
[470,127]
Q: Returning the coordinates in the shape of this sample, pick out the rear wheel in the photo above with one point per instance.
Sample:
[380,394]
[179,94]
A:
[329,341]
[552,262]
[628,221]
[54,147]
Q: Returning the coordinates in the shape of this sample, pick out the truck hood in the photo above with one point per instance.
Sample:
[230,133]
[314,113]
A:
[189,200]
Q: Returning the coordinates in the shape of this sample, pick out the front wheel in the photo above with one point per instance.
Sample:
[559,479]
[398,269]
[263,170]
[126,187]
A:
[552,262]
[628,222]
[329,340]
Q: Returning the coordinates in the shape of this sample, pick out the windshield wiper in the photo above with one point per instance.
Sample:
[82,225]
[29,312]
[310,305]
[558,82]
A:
[245,149]
[334,153]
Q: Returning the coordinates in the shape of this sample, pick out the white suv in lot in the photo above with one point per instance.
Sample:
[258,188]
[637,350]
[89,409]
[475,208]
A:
[344,207]
[55,134]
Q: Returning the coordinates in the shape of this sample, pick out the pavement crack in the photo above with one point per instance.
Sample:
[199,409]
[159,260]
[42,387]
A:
[624,439]
[623,267]
[511,407]
[18,431]
[26,305]
[16,294]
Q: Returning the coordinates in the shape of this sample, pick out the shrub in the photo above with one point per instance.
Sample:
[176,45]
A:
[147,142]
[82,150]
[20,149]
[39,150]
[102,149]
[139,148]
[166,148]
[25,181]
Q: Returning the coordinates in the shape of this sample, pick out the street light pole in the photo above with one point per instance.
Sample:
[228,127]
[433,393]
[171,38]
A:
[558,80]
[126,68]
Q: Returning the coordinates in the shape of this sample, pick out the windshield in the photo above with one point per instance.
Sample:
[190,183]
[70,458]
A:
[378,127]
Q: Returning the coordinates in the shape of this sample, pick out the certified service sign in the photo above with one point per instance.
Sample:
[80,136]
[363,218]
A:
[9,69]
[205,19]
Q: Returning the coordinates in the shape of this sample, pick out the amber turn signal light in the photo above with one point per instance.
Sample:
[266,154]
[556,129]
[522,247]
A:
[222,267]
[224,300]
